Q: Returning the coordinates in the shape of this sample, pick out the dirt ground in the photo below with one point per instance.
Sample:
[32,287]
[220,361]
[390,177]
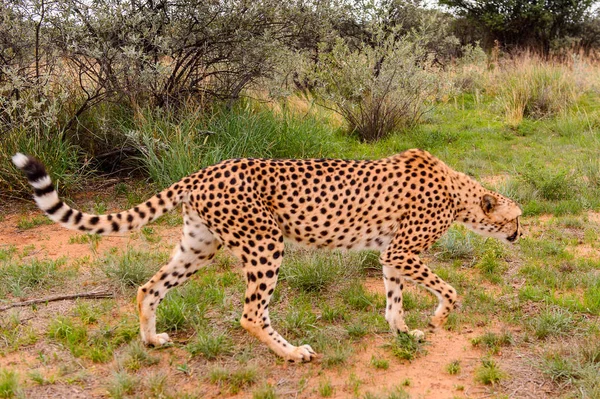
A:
[425,377]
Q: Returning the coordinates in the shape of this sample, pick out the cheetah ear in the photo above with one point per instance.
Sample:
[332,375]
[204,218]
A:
[488,203]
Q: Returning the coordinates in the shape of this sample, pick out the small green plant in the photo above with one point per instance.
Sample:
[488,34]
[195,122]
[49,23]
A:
[325,388]
[552,322]
[299,317]
[234,380]
[92,239]
[489,373]
[157,385]
[333,313]
[493,341]
[398,393]
[37,377]
[150,234]
[87,313]
[133,268]
[356,296]
[310,271]
[18,278]
[382,364]
[406,347]
[121,385]
[99,207]
[172,314]
[357,330]
[7,253]
[210,345]
[453,367]
[336,354]
[457,243]
[14,333]
[9,384]
[491,268]
[26,223]
[267,391]
[137,356]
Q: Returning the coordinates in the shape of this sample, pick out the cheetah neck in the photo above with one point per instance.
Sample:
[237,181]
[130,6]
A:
[467,193]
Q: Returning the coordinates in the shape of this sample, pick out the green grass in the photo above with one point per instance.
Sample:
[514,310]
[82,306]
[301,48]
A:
[20,278]
[406,347]
[553,322]
[26,223]
[453,367]
[489,373]
[121,385]
[172,147]
[96,345]
[575,366]
[492,341]
[267,391]
[210,345]
[133,267]
[380,364]
[14,333]
[137,356]
[358,298]
[54,149]
[312,273]
[9,384]
[325,388]
[234,380]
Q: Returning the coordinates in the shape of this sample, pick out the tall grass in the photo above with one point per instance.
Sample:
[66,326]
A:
[54,149]
[172,148]
[528,87]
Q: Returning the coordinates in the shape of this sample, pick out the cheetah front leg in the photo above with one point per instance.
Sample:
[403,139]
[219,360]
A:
[409,265]
[394,312]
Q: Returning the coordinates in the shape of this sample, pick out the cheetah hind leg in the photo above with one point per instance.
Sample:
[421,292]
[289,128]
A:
[188,257]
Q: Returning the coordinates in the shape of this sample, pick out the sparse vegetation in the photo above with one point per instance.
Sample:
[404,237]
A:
[489,373]
[493,341]
[406,347]
[453,367]
[9,384]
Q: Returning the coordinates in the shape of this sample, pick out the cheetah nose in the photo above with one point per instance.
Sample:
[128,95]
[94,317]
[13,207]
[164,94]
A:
[514,237]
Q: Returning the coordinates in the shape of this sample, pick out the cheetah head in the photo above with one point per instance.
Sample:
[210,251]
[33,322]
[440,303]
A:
[494,216]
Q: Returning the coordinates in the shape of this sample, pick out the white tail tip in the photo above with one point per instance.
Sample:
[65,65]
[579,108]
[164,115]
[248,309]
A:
[20,160]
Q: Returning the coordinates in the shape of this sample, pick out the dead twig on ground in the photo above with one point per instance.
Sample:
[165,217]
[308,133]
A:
[89,295]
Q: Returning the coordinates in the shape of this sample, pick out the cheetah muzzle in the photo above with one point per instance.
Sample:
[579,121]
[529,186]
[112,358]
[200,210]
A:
[398,205]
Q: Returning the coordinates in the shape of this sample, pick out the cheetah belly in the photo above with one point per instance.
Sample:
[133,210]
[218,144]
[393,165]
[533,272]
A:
[337,232]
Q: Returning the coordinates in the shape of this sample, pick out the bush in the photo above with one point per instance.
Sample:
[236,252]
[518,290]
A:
[378,88]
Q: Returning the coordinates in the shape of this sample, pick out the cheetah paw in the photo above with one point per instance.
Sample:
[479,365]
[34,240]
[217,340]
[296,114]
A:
[158,340]
[301,354]
[417,334]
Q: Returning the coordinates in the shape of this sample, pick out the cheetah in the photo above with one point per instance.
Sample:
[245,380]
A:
[398,205]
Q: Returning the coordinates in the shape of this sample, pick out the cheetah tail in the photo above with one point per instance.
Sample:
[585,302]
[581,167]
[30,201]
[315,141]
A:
[47,199]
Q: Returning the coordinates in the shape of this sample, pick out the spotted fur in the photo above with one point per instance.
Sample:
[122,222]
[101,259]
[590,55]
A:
[398,205]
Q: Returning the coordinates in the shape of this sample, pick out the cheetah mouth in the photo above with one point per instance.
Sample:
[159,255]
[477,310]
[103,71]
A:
[513,237]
